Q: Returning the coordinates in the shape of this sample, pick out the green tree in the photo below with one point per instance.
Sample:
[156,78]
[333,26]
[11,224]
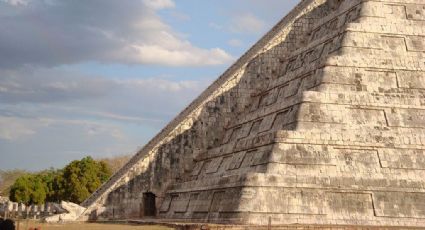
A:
[81,178]
[21,190]
[73,183]
[28,189]
[53,181]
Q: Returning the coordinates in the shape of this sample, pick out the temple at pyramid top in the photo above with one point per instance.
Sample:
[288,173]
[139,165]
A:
[321,122]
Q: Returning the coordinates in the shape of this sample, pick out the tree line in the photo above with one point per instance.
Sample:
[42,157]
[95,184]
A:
[75,182]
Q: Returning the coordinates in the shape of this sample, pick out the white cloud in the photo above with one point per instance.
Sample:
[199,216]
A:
[91,128]
[16,128]
[235,42]
[119,117]
[162,47]
[69,32]
[48,86]
[161,85]
[159,4]
[3,89]
[192,56]
[16,2]
[67,95]
[12,128]
[246,23]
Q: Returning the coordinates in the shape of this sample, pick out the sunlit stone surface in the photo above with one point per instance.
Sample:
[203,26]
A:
[321,122]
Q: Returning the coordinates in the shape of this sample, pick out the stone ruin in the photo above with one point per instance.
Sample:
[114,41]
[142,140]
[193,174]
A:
[321,122]
[69,212]
[49,212]
[9,209]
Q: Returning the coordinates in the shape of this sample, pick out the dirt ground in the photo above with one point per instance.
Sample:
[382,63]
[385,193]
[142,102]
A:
[23,225]
[31,225]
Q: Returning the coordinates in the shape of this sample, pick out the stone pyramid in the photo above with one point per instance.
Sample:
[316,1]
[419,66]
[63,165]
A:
[321,122]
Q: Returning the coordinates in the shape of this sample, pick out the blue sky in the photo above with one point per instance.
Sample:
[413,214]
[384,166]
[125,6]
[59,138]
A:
[102,77]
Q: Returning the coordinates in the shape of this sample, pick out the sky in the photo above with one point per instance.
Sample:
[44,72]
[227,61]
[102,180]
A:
[101,77]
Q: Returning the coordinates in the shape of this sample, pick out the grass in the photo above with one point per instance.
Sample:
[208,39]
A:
[88,226]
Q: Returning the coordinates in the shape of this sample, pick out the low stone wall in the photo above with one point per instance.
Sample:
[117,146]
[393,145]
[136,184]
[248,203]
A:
[18,210]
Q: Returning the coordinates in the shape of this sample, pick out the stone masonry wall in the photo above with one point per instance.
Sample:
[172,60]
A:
[323,124]
[143,162]
[350,146]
